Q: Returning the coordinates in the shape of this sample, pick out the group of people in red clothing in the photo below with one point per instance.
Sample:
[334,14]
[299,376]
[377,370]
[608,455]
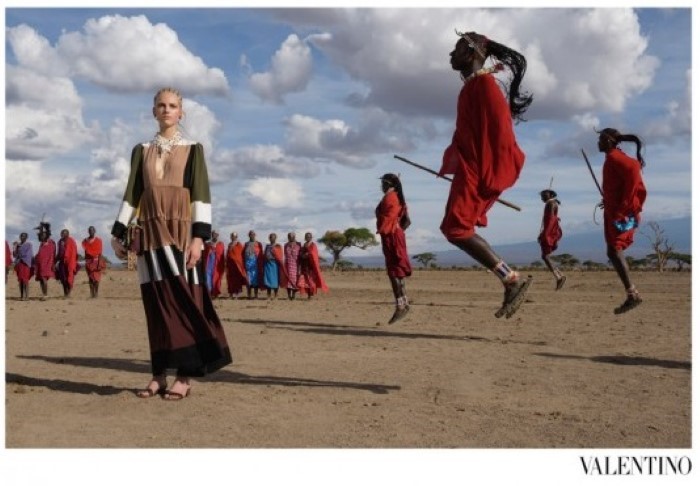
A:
[294,267]
[485,159]
[168,194]
[53,259]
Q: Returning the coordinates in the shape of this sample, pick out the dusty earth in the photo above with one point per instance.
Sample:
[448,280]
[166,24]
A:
[330,373]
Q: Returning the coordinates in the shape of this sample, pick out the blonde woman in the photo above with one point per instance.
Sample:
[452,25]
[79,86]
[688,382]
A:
[169,185]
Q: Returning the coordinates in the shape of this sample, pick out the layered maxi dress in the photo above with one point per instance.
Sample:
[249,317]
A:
[184,331]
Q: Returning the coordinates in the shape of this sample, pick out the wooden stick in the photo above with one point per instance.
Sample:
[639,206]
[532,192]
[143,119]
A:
[502,201]
[592,173]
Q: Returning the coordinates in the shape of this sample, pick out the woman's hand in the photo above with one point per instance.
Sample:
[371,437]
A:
[119,249]
[194,252]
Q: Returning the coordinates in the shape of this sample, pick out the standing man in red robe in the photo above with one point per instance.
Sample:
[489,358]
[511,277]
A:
[551,233]
[624,194]
[24,264]
[310,277]
[390,212]
[235,268]
[219,262]
[484,155]
[94,264]
[67,262]
[45,259]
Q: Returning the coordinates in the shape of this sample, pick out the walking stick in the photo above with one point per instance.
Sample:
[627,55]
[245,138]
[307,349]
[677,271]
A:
[502,201]
[592,173]
[594,180]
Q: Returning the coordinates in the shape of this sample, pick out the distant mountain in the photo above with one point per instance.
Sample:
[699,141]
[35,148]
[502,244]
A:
[584,246]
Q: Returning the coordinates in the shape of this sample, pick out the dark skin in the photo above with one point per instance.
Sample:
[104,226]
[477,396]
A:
[273,240]
[545,196]
[398,285]
[23,288]
[94,286]
[291,293]
[43,282]
[251,237]
[308,237]
[66,289]
[616,257]
[465,60]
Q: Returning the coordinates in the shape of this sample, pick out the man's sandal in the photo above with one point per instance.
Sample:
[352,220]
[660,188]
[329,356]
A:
[630,303]
[513,298]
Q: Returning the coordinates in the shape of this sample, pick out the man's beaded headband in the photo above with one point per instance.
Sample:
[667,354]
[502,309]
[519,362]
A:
[471,43]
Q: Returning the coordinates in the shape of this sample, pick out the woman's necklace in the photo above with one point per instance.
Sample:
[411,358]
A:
[165,145]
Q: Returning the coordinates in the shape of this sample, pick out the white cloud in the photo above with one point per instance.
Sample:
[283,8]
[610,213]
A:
[258,161]
[677,121]
[289,72]
[43,115]
[276,192]
[578,59]
[323,140]
[200,124]
[119,54]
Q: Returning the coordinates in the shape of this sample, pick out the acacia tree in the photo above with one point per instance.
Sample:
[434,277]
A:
[565,260]
[659,244]
[425,258]
[680,259]
[592,265]
[336,241]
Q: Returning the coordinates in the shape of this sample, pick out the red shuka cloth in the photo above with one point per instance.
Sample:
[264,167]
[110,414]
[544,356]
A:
[93,252]
[484,157]
[310,278]
[551,231]
[278,252]
[45,260]
[235,269]
[8,255]
[219,265]
[68,262]
[624,194]
[388,212]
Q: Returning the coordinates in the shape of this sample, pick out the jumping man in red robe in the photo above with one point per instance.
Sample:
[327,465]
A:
[623,197]
[551,233]
[484,155]
[390,212]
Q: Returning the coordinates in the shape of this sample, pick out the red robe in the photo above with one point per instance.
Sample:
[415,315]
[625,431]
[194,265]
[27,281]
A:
[93,254]
[624,194]
[45,260]
[484,157]
[68,262]
[235,269]
[551,230]
[219,265]
[8,255]
[310,278]
[278,252]
[388,212]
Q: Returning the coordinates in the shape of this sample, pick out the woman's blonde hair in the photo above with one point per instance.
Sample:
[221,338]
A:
[167,89]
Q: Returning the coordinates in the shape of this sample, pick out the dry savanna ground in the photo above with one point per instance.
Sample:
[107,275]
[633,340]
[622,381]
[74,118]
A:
[564,372]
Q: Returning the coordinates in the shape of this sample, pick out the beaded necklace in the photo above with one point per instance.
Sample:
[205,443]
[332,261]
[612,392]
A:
[165,145]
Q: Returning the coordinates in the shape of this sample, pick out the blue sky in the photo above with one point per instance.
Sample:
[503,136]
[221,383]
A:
[301,110]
